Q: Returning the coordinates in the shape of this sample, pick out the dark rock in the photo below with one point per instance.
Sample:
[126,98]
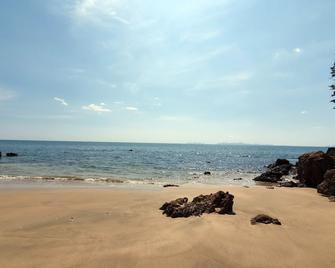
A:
[279,162]
[312,166]
[11,154]
[170,185]
[288,184]
[327,187]
[238,179]
[174,204]
[275,171]
[0,154]
[270,187]
[331,198]
[220,202]
[207,173]
[130,150]
[282,169]
[262,218]
[269,176]
[331,152]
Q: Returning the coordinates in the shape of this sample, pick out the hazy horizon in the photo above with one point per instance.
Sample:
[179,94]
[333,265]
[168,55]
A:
[209,72]
[171,143]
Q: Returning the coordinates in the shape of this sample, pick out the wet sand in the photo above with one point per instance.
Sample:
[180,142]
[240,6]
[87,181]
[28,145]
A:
[124,228]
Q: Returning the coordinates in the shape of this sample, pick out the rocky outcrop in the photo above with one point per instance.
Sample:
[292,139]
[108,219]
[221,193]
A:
[262,218]
[279,162]
[275,171]
[288,184]
[311,167]
[331,152]
[11,154]
[269,176]
[327,187]
[207,173]
[220,202]
[170,185]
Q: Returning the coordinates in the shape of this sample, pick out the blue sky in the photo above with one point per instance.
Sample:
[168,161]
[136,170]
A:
[167,71]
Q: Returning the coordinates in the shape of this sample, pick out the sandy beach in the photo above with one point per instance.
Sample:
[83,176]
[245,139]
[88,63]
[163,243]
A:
[124,228]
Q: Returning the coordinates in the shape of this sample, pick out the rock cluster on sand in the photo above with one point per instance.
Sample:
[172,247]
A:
[220,202]
[275,171]
[262,218]
[327,187]
[312,166]
[170,185]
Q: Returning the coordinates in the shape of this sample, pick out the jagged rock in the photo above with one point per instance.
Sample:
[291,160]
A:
[312,166]
[279,162]
[269,176]
[220,202]
[327,187]
[170,185]
[207,173]
[275,171]
[11,154]
[262,218]
[0,154]
[331,151]
[288,184]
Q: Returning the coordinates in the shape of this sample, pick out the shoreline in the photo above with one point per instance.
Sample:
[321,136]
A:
[117,227]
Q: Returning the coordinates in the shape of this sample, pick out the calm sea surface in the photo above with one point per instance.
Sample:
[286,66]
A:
[139,162]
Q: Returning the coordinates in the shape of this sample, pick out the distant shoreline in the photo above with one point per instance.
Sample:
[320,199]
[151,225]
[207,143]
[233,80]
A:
[172,143]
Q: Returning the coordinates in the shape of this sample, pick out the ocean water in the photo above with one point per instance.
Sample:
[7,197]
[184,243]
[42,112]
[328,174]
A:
[102,162]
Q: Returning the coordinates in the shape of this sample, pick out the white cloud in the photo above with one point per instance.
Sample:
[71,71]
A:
[304,112]
[100,12]
[286,54]
[6,94]
[130,108]
[297,50]
[62,101]
[96,108]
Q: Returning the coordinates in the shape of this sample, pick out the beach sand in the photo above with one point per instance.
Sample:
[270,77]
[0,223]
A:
[124,228]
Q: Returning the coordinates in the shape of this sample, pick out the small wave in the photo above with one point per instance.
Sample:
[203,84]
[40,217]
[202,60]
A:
[60,179]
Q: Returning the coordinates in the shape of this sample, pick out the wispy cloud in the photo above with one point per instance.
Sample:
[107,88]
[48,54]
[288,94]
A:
[6,94]
[285,53]
[224,81]
[304,112]
[131,108]
[200,36]
[297,50]
[96,108]
[62,101]
[101,12]
[174,118]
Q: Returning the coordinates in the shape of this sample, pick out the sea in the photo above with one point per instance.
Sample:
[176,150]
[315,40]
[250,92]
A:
[111,163]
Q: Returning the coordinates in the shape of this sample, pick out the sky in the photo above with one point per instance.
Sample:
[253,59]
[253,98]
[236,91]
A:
[219,71]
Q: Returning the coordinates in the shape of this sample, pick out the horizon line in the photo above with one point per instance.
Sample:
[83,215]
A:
[181,143]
